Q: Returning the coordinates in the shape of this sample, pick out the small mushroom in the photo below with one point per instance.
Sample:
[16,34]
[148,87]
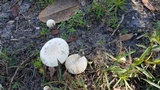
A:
[76,64]
[54,51]
[46,88]
[50,23]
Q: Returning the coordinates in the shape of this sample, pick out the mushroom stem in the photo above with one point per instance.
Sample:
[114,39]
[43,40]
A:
[59,72]
[52,71]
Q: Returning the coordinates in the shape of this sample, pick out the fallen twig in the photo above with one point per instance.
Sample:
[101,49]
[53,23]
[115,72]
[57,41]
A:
[118,25]
[11,81]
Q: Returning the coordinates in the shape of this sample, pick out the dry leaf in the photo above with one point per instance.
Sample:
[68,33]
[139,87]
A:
[126,37]
[61,10]
[15,10]
[52,71]
[55,32]
[72,39]
[148,5]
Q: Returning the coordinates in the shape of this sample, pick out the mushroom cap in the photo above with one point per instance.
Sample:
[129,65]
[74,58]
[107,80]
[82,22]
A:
[50,23]
[53,51]
[76,64]
[46,88]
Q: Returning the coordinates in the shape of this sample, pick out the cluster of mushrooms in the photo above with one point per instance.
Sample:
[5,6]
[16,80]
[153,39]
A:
[56,51]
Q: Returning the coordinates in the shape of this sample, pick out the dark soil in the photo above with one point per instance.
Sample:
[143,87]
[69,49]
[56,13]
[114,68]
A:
[20,38]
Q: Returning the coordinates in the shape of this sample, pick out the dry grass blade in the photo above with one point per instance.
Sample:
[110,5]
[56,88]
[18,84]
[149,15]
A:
[122,18]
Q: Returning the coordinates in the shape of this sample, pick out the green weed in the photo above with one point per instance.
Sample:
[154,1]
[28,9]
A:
[43,3]
[44,31]
[69,27]
[77,20]
[3,54]
[122,73]
[62,25]
[64,36]
[124,31]
[71,31]
[132,70]
[17,85]
[155,38]
[106,9]
[97,8]
[38,63]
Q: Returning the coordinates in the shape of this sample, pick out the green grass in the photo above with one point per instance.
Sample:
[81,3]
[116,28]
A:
[108,10]
[135,69]
[69,27]
[37,63]
[42,3]
[138,67]
[17,85]
[76,21]
[155,37]
[44,30]
[3,54]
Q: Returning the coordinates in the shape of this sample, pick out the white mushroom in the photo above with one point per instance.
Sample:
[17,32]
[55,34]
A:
[53,51]
[50,23]
[76,64]
[46,88]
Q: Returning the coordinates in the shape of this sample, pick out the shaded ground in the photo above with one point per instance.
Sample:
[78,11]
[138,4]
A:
[20,39]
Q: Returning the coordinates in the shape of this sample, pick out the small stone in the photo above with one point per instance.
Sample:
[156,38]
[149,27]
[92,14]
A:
[133,17]
[12,37]
[37,28]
